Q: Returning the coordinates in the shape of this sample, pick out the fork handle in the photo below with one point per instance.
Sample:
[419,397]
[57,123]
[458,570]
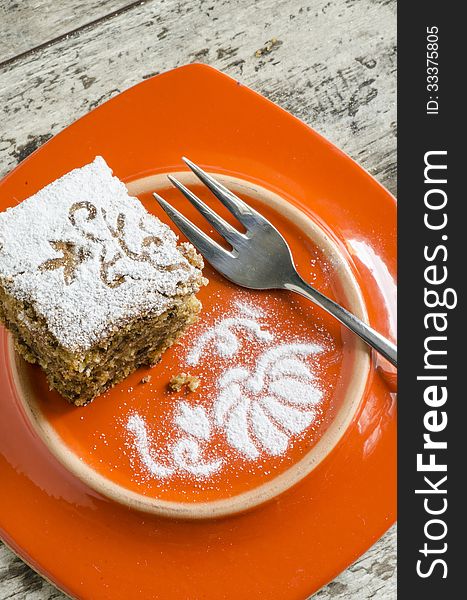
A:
[364,331]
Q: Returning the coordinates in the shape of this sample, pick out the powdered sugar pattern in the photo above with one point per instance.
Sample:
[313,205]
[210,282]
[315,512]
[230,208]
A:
[258,410]
[224,337]
[137,427]
[88,256]
[185,456]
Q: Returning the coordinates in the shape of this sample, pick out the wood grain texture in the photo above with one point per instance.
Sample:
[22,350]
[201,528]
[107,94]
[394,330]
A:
[25,24]
[332,65]
[335,68]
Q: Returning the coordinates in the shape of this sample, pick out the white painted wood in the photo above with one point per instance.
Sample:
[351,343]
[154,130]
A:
[25,24]
[333,66]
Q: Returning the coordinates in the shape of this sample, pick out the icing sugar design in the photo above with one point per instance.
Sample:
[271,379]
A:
[258,410]
[261,410]
[224,337]
[186,453]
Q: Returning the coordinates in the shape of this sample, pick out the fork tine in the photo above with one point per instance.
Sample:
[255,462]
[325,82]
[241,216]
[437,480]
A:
[210,249]
[225,229]
[240,210]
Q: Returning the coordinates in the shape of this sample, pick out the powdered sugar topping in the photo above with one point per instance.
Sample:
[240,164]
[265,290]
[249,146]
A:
[88,256]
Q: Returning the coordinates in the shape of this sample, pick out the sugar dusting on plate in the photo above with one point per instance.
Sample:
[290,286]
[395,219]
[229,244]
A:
[260,403]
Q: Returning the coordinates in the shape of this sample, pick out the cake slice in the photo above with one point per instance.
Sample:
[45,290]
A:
[92,286]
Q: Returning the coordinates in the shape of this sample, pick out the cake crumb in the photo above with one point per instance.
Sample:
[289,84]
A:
[188,251]
[177,382]
[146,379]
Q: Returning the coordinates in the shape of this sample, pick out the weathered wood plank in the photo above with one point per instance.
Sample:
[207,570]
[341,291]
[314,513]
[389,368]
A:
[334,67]
[26,24]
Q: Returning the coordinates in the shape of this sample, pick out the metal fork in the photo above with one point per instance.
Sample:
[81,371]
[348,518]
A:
[260,258]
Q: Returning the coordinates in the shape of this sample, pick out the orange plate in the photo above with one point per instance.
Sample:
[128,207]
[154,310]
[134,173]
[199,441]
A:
[93,547]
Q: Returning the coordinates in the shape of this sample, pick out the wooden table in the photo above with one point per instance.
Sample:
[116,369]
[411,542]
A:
[331,63]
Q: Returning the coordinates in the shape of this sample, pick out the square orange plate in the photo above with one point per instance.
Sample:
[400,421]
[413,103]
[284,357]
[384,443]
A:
[76,532]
